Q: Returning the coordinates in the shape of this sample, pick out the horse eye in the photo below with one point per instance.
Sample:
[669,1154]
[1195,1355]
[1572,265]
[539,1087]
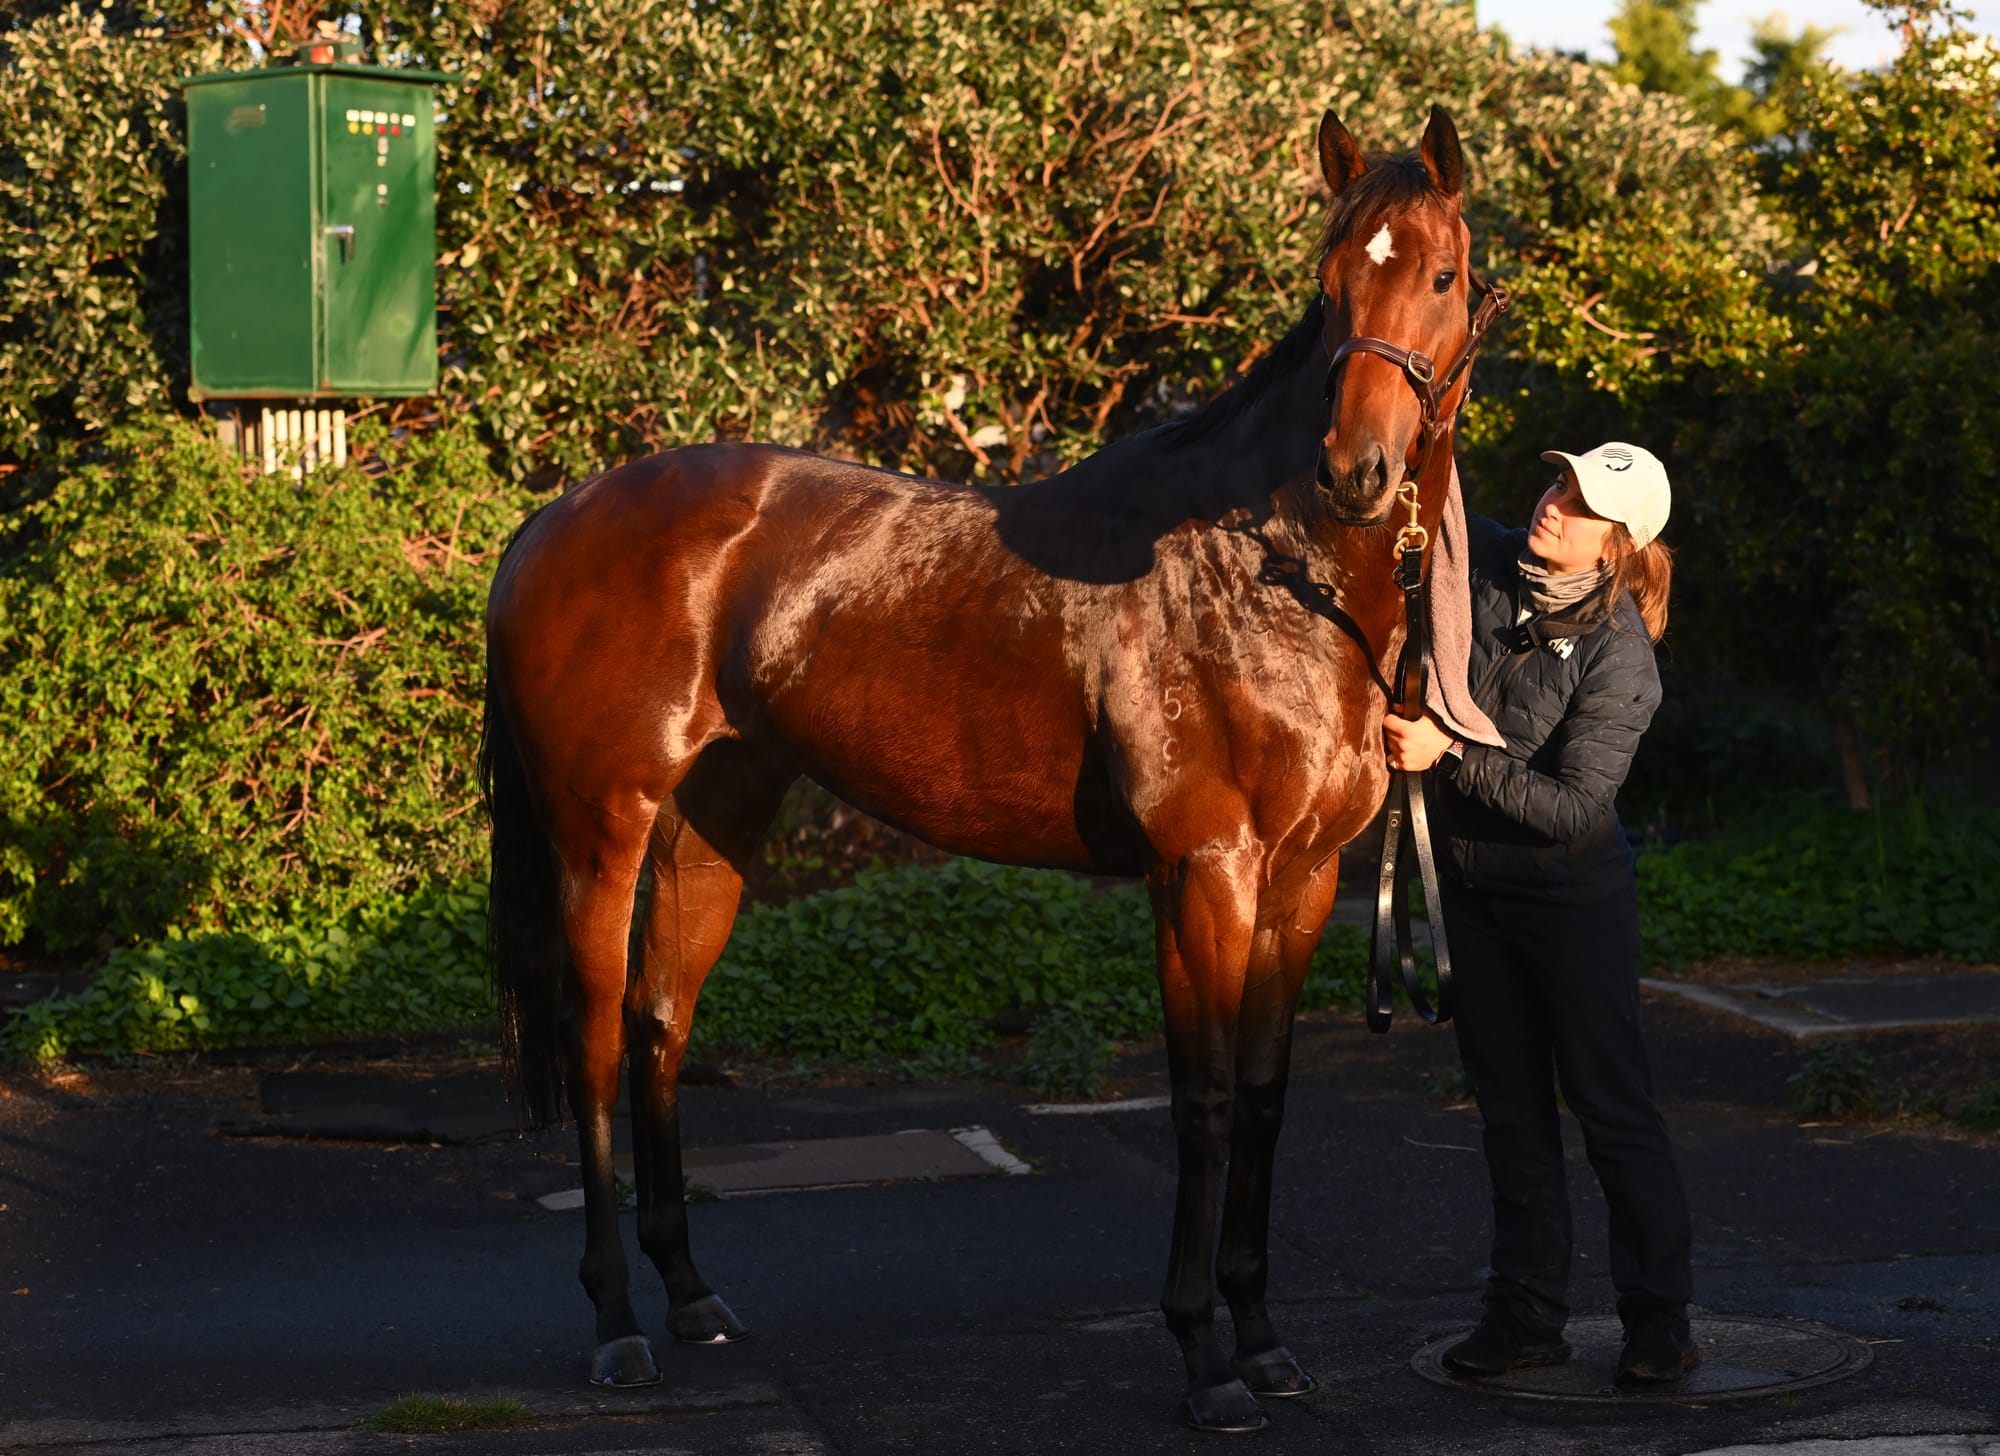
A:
[1442,283]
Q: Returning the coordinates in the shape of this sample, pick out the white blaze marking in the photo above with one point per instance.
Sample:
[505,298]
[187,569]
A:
[1381,247]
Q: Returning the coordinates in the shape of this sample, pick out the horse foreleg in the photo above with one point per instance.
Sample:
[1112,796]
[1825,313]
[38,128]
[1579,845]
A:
[598,915]
[1205,913]
[1280,960]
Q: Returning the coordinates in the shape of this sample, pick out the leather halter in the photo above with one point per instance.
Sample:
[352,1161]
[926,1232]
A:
[1391,945]
[1420,372]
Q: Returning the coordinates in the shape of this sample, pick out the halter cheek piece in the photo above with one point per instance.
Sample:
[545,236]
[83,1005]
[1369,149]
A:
[1390,944]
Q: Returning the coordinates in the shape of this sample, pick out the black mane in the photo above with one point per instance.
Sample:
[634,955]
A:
[1289,354]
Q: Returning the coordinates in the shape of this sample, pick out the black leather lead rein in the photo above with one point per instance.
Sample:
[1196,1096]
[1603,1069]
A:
[1390,941]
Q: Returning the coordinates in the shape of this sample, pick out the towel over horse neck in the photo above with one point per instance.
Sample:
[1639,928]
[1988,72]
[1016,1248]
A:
[1168,662]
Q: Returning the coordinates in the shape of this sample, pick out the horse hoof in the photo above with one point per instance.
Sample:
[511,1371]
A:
[1226,1407]
[705,1321]
[1274,1372]
[627,1361]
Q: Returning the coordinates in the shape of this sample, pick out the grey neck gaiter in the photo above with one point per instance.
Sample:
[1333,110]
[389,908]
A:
[1550,594]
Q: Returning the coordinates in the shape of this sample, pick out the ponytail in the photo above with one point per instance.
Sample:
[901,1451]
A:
[1647,573]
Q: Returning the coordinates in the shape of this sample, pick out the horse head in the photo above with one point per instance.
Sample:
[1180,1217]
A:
[1395,273]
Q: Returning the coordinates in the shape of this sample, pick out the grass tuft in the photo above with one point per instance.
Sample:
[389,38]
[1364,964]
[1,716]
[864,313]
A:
[1837,1079]
[1068,1056]
[421,1414]
[1980,1111]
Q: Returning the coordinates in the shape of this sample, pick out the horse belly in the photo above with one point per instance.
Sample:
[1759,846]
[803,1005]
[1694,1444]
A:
[910,664]
[961,743]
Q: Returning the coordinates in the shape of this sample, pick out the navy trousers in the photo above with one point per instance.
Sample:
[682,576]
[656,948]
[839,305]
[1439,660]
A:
[1547,995]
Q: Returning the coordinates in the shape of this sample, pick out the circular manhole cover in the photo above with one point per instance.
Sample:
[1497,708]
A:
[1740,1357]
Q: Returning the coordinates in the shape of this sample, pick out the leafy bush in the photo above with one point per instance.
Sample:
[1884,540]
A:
[914,957]
[93,217]
[903,964]
[981,232]
[1902,880]
[1980,1111]
[233,699]
[397,966]
[1838,1080]
[1067,1057]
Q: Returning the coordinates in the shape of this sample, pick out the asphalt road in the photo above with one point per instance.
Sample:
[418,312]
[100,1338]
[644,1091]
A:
[168,1287]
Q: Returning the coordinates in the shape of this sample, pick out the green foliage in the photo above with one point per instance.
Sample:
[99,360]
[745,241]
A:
[423,1413]
[1654,40]
[1846,480]
[908,965]
[1980,1111]
[982,239]
[1903,880]
[93,216]
[400,965]
[232,699]
[909,959]
[1783,59]
[1837,1079]
[980,242]
[1068,1056]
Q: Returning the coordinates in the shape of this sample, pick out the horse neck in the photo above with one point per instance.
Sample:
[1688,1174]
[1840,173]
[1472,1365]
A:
[1370,592]
[1255,472]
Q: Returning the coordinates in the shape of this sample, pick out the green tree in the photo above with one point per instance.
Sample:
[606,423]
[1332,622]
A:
[1784,61]
[1655,51]
[1654,41]
[1850,475]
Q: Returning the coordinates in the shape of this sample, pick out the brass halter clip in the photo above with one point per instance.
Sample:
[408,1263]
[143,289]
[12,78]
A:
[1411,537]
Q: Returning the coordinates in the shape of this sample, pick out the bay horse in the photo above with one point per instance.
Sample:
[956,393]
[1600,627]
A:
[1169,661]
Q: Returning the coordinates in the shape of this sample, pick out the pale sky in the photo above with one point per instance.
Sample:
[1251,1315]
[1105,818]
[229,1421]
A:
[1574,25]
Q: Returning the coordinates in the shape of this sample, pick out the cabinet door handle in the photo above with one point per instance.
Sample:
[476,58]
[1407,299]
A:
[345,232]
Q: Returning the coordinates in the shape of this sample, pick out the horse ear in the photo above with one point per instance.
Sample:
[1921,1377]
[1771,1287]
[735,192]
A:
[1442,157]
[1340,160]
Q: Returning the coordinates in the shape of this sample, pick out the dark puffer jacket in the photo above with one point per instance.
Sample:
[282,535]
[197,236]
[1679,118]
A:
[1538,818]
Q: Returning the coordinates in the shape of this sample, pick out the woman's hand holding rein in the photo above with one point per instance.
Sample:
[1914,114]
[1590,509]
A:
[1414,744]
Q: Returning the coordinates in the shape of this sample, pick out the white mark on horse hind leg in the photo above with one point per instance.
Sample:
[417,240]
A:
[1381,247]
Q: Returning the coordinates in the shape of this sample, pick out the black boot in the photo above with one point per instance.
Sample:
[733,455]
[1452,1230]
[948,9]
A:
[1658,1352]
[1505,1340]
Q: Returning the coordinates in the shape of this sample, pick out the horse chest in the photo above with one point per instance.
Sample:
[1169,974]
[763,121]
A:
[1258,726]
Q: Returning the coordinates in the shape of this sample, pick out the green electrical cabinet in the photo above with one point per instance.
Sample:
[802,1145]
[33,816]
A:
[312,229]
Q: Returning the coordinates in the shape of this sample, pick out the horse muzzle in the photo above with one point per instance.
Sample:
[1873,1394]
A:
[1359,491]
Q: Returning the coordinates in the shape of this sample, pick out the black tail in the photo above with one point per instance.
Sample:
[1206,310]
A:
[525,944]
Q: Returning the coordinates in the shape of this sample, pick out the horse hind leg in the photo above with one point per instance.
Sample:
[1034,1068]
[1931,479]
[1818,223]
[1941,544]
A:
[602,858]
[700,847]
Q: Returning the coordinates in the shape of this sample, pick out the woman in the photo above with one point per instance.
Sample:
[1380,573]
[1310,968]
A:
[1541,910]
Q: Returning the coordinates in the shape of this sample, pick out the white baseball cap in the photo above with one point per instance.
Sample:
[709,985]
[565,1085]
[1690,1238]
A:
[1624,483]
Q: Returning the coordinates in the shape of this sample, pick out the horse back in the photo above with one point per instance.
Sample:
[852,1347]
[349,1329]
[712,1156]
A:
[864,628]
